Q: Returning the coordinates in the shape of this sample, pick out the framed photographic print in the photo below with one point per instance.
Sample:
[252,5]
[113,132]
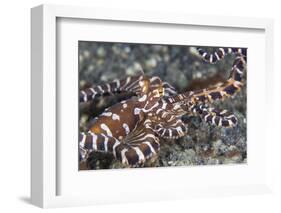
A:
[150,123]
[150,106]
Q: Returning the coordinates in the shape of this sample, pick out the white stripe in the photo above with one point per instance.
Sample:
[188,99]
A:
[147,121]
[230,123]
[177,106]
[140,154]
[92,89]
[114,147]
[223,112]
[211,58]
[178,122]
[164,104]
[137,138]
[144,138]
[153,78]
[172,91]
[168,86]
[137,111]
[223,93]
[115,117]
[164,114]
[160,130]
[126,127]
[134,84]
[143,98]
[220,122]
[127,81]
[123,156]
[82,142]
[237,84]
[100,89]
[84,96]
[105,143]
[179,130]
[171,118]
[222,50]
[94,140]
[107,114]
[108,87]
[238,70]
[213,120]
[150,146]
[155,105]
[117,84]
[105,128]
[149,135]
[217,56]
[134,88]
[158,110]
[230,116]
[94,92]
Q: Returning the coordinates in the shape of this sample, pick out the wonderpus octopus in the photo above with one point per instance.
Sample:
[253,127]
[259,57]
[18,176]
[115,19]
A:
[131,130]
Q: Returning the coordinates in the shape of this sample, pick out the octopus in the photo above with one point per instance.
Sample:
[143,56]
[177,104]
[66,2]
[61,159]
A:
[131,130]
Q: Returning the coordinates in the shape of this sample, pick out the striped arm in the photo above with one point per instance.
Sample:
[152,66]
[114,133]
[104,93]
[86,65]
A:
[229,88]
[132,151]
[138,85]
[155,82]
[169,90]
[143,139]
[221,118]
[89,142]
[219,54]
[129,84]
[171,130]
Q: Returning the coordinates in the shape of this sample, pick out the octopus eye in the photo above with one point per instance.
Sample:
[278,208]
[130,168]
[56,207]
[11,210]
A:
[158,92]
[161,91]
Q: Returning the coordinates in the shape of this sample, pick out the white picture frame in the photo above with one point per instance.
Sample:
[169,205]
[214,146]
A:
[44,153]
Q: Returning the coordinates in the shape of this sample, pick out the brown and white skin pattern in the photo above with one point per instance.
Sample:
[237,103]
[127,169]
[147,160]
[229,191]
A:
[131,130]
[109,131]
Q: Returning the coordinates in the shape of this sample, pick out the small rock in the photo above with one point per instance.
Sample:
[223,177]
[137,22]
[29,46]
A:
[86,54]
[127,49]
[151,63]
[101,52]
[193,51]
